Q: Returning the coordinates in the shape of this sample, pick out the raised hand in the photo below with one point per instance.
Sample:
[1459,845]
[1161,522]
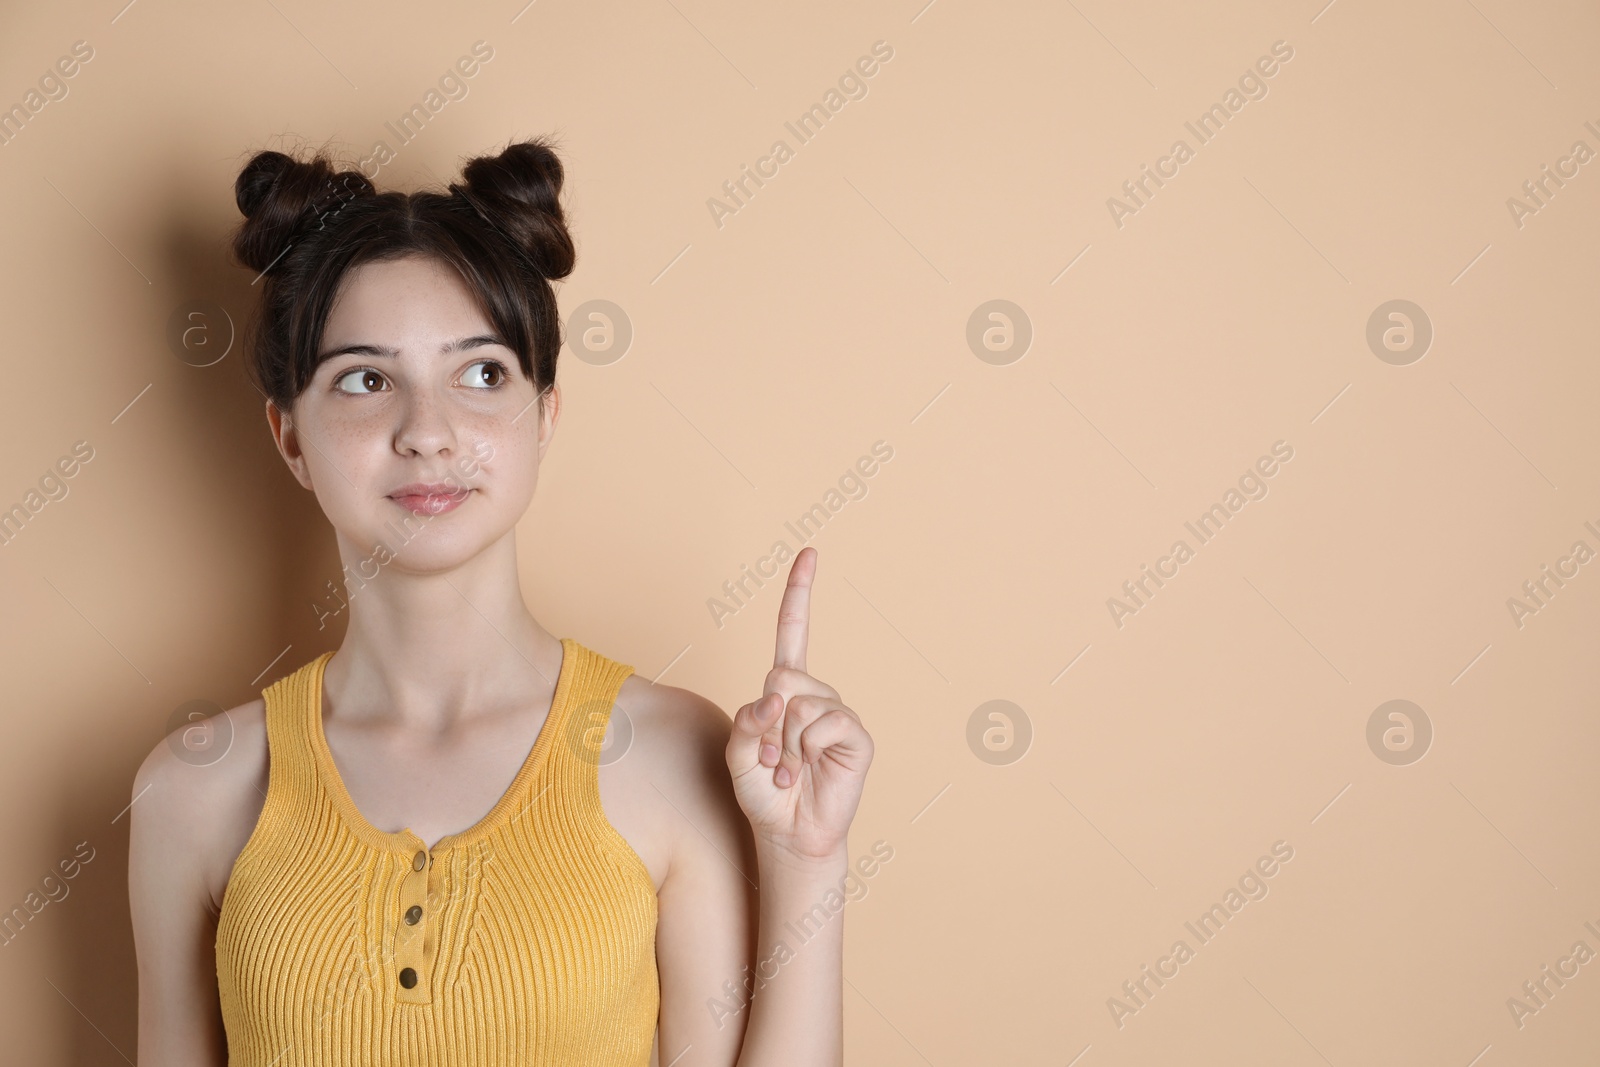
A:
[798,756]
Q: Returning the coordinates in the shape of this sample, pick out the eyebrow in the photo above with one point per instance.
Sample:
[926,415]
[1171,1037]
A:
[460,344]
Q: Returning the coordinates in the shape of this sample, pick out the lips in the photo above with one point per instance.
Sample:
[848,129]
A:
[430,498]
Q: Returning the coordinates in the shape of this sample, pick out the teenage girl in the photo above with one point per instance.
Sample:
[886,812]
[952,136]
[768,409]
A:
[458,839]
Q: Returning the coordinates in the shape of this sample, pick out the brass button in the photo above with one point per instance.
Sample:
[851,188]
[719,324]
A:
[420,861]
[408,977]
[413,914]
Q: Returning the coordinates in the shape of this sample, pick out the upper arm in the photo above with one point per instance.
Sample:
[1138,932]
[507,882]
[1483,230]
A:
[709,906]
[174,927]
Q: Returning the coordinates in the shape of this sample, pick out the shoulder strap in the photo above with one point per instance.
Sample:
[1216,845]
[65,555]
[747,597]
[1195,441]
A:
[583,745]
[292,784]
[596,680]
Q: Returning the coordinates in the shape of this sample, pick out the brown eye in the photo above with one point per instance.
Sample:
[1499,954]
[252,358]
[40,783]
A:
[491,377]
[370,381]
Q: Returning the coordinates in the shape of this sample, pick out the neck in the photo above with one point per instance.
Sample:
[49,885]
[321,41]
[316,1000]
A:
[432,648]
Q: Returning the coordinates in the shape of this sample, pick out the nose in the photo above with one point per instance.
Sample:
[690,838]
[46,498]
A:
[425,427]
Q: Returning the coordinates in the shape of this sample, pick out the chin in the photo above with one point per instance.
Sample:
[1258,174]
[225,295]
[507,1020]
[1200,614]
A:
[426,544]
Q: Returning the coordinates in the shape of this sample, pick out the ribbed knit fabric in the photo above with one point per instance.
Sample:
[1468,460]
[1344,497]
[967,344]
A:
[534,942]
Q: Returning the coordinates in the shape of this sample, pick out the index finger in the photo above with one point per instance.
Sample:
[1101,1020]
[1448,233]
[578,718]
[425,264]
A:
[794,614]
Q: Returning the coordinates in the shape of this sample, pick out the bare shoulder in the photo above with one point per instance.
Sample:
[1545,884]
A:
[193,794]
[198,794]
[709,904]
[679,733]
[676,766]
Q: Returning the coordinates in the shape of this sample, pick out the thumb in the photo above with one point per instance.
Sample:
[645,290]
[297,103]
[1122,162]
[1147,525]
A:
[752,723]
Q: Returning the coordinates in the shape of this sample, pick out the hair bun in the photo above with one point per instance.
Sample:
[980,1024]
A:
[277,194]
[518,192]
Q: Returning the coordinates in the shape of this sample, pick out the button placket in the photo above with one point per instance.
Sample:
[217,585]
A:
[410,970]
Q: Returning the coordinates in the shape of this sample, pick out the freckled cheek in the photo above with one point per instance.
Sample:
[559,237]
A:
[350,453]
[506,458]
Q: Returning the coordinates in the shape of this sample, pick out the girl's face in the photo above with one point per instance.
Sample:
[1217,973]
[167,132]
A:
[418,392]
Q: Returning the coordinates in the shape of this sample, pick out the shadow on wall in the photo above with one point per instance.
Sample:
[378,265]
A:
[254,507]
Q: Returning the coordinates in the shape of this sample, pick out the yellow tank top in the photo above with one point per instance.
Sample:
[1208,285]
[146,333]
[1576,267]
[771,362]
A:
[528,938]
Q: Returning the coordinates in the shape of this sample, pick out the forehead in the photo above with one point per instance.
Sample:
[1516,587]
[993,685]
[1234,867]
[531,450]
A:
[402,302]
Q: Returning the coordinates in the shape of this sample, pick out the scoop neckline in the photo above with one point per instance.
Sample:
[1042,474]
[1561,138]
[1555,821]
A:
[406,840]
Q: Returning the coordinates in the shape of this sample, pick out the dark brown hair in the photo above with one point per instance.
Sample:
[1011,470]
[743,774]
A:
[307,223]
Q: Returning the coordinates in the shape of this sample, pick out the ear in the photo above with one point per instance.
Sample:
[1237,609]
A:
[287,439]
[549,415]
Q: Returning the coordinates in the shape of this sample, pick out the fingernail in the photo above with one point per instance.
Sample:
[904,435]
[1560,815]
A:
[769,752]
[783,778]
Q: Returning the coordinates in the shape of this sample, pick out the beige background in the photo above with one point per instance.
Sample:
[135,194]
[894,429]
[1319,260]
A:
[830,312]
